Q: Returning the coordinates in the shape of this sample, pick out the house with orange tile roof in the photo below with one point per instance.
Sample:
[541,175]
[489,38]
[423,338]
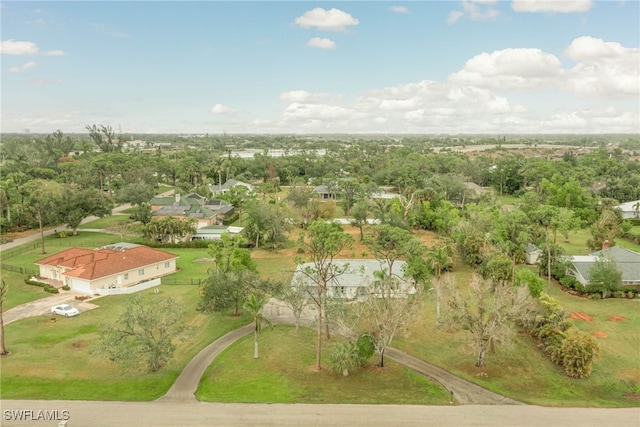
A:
[113,269]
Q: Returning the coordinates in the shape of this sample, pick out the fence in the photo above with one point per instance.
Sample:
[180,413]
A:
[195,282]
[130,289]
[21,270]
[9,253]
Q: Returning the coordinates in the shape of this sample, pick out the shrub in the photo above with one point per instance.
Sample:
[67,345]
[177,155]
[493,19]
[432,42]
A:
[66,287]
[579,350]
[232,218]
[366,349]
[619,294]
[596,295]
[571,283]
[51,290]
[344,356]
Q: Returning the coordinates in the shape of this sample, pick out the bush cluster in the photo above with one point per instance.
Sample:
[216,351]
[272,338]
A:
[45,286]
[567,346]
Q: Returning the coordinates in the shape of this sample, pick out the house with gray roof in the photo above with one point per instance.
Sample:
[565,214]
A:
[224,188]
[205,211]
[627,261]
[215,232]
[359,279]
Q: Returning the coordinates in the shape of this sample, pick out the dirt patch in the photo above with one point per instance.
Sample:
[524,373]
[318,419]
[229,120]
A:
[616,318]
[632,396]
[79,344]
[599,334]
[204,260]
[579,315]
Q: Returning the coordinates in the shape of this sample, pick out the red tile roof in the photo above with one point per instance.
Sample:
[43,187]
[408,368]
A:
[93,264]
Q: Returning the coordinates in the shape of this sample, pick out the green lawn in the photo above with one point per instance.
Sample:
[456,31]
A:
[52,359]
[285,373]
[522,372]
[19,292]
[45,352]
[577,244]
[107,221]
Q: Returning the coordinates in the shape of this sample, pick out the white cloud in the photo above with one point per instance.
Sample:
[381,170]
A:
[331,20]
[20,48]
[476,10]
[604,68]
[321,43]
[223,110]
[23,67]
[510,68]
[302,96]
[399,9]
[454,16]
[551,6]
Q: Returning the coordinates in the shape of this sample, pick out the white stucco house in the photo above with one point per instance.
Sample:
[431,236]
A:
[357,280]
[112,269]
[629,210]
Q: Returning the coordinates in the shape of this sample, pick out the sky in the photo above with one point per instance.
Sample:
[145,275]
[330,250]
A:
[312,67]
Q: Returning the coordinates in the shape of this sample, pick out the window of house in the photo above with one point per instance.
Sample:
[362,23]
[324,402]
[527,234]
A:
[126,276]
[141,272]
[167,264]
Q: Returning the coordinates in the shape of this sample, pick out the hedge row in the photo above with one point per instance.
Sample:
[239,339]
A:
[45,286]
[567,346]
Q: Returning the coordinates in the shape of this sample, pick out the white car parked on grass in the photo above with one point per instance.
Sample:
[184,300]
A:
[65,310]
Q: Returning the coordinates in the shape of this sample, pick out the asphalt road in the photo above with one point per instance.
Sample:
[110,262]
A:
[166,413]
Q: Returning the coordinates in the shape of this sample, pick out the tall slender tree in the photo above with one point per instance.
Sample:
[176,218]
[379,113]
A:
[323,241]
[254,306]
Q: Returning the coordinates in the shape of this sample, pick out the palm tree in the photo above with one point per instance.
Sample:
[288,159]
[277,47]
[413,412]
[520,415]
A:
[636,208]
[254,306]
[438,259]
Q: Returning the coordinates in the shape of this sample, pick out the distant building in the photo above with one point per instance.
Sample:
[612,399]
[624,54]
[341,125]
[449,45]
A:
[224,188]
[206,211]
[215,232]
[627,261]
[629,210]
[358,280]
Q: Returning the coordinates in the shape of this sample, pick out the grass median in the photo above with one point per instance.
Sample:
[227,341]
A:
[285,373]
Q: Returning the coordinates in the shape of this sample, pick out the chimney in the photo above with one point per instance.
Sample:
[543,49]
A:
[606,245]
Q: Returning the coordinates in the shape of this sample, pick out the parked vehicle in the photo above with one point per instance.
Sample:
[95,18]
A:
[65,310]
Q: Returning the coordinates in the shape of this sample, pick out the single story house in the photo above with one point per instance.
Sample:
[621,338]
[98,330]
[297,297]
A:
[629,209]
[627,261]
[120,265]
[206,211]
[214,232]
[357,280]
[224,188]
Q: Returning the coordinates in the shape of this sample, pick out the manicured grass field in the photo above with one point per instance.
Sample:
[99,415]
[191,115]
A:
[577,244]
[285,373]
[51,357]
[19,292]
[107,221]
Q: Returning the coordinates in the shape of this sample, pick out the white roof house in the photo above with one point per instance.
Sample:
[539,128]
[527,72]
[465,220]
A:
[629,209]
[357,280]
